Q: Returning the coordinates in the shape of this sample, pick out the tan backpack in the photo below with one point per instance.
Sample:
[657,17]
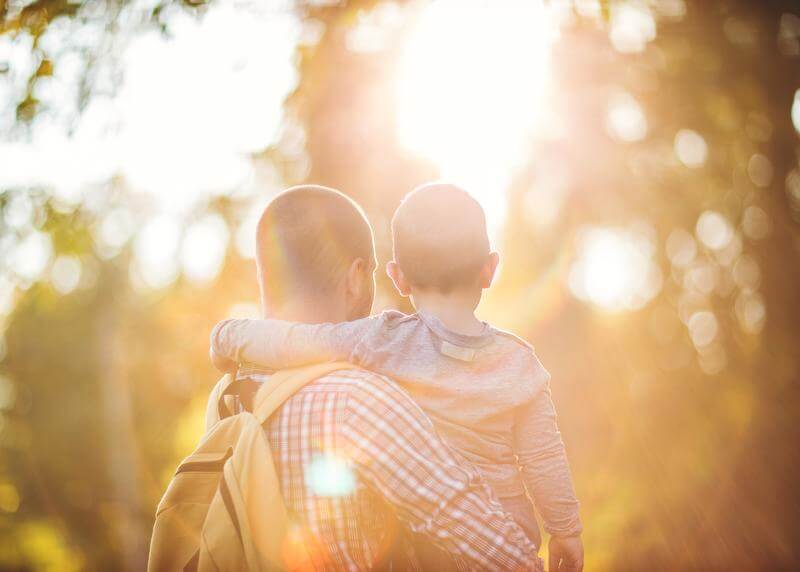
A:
[223,509]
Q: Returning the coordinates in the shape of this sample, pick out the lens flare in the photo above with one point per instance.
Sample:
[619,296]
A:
[330,476]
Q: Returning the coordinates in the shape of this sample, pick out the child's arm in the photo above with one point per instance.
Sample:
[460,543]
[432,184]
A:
[276,344]
[544,464]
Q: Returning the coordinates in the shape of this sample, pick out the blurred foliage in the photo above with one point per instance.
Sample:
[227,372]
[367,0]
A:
[679,465]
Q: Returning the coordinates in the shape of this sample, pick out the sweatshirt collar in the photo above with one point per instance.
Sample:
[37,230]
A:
[434,324]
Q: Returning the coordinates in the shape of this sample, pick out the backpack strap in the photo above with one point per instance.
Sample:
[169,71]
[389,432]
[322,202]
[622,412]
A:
[285,383]
[217,408]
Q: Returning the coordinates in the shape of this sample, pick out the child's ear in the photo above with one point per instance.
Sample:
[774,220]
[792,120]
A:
[489,269]
[398,278]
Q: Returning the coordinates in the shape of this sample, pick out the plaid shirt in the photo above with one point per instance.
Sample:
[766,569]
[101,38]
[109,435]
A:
[355,454]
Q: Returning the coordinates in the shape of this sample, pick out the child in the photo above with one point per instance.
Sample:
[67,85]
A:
[484,389]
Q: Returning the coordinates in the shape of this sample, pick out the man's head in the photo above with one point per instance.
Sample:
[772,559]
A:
[315,256]
[440,242]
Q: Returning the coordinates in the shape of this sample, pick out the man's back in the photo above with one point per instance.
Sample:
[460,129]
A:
[352,450]
[317,479]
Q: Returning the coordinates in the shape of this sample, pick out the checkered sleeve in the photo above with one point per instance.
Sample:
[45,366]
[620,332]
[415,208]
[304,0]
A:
[397,452]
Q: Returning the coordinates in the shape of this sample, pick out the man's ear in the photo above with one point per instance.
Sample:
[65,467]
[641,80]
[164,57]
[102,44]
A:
[360,288]
[489,269]
[356,275]
[398,278]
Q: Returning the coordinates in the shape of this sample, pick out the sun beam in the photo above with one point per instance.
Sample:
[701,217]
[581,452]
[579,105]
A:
[471,87]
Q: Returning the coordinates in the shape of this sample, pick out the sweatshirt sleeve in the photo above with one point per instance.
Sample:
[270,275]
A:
[277,344]
[543,461]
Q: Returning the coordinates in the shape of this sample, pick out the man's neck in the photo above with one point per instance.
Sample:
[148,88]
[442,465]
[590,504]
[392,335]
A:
[456,310]
[307,311]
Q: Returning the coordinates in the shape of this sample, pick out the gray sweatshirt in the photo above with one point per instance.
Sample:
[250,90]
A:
[487,394]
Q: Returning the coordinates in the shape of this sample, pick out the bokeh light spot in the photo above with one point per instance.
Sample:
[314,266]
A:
[751,312]
[625,120]
[681,247]
[690,148]
[112,232]
[703,328]
[155,252]
[66,274]
[203,249]
[702,276]
[632,27]
[32,255]
[759,169]
[614,269]
[755,222]
[712,358]
[746,273]
[714,230]
[18,211]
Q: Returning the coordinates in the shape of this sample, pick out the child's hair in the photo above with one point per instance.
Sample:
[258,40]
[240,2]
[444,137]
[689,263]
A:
[440,238]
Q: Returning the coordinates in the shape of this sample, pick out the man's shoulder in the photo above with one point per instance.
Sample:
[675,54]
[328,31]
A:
[340,380]
[356,381]
[345,379]
[355,385]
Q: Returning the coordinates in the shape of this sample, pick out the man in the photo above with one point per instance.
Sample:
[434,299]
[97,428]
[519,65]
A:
[355,455]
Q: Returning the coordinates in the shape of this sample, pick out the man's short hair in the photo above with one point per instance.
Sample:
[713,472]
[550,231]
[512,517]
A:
[306,239]
[440,238]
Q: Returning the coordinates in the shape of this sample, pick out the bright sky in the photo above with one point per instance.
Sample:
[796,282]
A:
[190,110]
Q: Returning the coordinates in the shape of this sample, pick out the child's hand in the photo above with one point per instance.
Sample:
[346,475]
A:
[223,364]
[566,554]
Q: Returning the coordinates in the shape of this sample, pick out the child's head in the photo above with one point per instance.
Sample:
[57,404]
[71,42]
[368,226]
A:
[440,242]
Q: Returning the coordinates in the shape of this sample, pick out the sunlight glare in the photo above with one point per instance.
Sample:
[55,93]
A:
[203,248]
[194,110]
[471,87]
[155,251]
[192,105]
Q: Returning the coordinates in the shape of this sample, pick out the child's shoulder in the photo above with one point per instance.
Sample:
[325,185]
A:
[512,339]
[520,351]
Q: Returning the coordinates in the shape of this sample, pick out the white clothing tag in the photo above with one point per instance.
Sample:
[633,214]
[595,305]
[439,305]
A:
[457,352]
